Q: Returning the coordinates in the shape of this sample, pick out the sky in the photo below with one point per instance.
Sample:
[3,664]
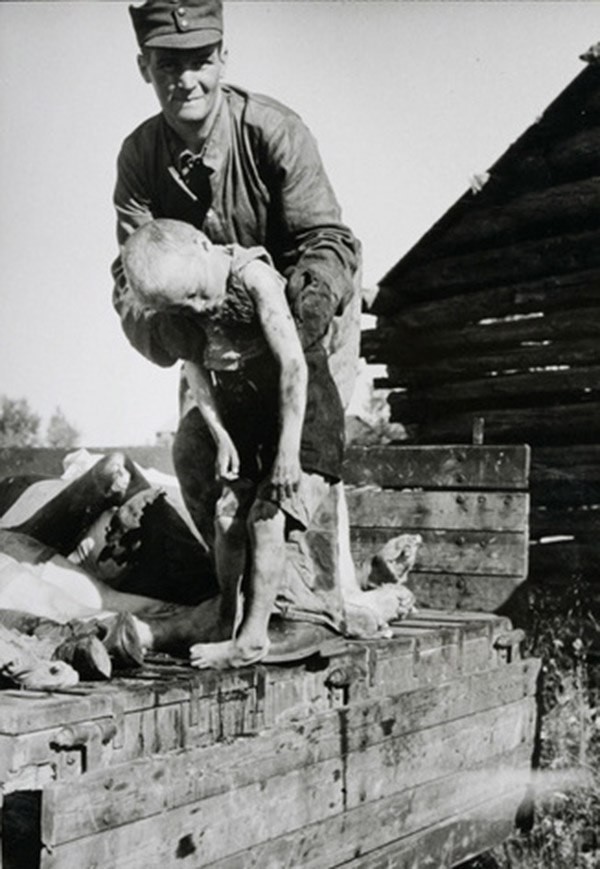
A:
[407,99]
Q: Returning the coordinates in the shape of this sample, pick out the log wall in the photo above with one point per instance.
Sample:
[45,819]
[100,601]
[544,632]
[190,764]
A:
[495,313]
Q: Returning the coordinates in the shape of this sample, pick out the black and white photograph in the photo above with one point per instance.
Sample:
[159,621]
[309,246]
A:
[300,434]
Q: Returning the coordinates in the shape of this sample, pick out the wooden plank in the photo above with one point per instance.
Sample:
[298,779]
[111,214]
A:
[357,833]
[566,476]
[121,794]
[449,551]
[490,511]
[571,290]
[49,462]
[521,389]
[468,366]
[458,839]
[578,152]
[464,591]
[551,210]
[490,335]
[398,763]
[301,797]
[559,424]
[434,467]
[582,523]
[564,560]
[498,266]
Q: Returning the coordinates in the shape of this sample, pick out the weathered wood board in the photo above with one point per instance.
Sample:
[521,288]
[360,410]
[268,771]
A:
[370,754]
[470,507]
[174,767]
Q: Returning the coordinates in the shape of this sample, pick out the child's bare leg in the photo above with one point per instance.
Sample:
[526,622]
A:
[231,546]
[250,644]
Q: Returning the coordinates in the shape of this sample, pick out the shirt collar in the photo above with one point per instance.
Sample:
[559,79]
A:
[212,151]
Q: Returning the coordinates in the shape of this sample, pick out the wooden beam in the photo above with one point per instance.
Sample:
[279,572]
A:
[465,366]
[568,291]
[439,467]
[464,591]
[485,511]
[576,325]
[552,210]
[302,797]
[559,424]
[524,389]
[499,266]
[485,552]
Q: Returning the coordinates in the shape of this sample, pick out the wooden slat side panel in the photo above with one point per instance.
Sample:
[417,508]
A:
[356,833]
[464,591]
[121,794]
[455,841]
[439,467]
[450,551]
[225,824]
[485,511]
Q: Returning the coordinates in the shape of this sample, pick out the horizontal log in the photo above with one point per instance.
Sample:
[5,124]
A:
[226,824]
[574,490]
[560,424]
[560,563]
[576,155]
[500,266]
[485,552]
[464,591]
[439,467]
[568,291]
[552,210]
[526,389]
[423,372]
[490,511]
[581,523]
[566,476]
[547,460]
[410,347]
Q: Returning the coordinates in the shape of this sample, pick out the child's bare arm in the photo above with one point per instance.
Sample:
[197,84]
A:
[267,289]
[228,463]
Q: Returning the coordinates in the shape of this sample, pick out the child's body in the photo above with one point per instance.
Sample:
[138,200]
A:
[272,411]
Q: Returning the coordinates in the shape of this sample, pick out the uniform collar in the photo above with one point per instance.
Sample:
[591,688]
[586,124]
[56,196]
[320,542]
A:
[212,152]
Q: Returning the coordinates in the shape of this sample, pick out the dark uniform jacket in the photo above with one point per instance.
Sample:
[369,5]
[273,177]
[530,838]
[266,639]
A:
[258,181]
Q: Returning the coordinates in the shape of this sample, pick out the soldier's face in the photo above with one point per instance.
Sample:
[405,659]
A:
[186,81]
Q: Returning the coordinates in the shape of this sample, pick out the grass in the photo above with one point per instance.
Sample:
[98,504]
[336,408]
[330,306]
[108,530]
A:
[564,832]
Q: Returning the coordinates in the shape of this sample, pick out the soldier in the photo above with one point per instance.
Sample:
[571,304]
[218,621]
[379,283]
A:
[243,169]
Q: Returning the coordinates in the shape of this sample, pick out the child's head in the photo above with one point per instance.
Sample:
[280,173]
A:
[169,263]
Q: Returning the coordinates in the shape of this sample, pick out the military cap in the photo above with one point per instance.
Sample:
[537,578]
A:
[178,23]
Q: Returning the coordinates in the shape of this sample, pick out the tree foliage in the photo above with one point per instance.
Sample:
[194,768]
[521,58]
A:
[60,432]
[19,425]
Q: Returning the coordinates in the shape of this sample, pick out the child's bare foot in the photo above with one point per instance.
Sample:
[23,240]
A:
[226,654]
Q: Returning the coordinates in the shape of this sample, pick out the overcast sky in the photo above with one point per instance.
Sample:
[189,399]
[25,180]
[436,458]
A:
[406,99]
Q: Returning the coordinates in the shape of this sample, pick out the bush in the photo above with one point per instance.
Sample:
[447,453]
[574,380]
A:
[565,834]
